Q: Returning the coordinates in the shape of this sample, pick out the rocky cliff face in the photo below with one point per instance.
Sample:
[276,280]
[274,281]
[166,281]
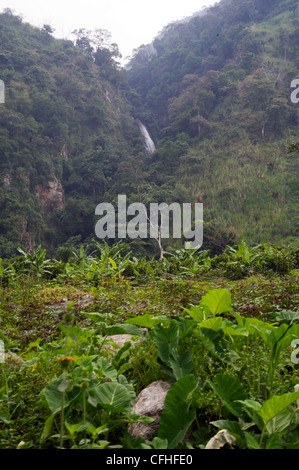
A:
[51,195]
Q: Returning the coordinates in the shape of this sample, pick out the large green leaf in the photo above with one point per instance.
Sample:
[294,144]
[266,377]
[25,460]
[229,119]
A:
[123,380]
[145,321]
[229,390]
[282,337]
[176,417]
[75,333]
[234,428]
[216,301]
[186,327]
[277,339]
[275,441]
[211,323]
[47,427]
[121,357]
[251,408]
[113,396]
[253,324]
[215,342]
[54,397]
[287,316]
[116,329]
[251,404]
[196,312]
[281,421]
[251,441]
[231,329]
[293,440]
[181,364]
[106,368]
[120,329]
[165,339]
[276,405]
[95,316]
[158,443]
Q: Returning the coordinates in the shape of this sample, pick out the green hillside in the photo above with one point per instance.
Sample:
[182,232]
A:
[65,128]
[215,93]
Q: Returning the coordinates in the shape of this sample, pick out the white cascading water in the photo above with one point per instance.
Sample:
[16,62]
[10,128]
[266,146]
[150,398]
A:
[149,144]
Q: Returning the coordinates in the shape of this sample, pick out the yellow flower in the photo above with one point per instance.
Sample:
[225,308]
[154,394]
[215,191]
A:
[65,361]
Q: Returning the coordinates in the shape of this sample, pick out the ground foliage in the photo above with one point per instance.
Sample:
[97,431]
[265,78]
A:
[218,332]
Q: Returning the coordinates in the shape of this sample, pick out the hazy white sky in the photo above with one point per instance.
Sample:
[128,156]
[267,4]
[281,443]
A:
[130,22]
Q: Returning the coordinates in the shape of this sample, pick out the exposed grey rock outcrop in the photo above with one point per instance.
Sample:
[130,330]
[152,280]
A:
[51,195]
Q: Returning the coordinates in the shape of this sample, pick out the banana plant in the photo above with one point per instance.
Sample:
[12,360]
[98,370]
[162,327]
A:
[247,254]
[35,263]
[111,262]
[7,272]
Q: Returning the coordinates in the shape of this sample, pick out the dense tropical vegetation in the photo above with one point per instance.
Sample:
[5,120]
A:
[66,129]
[220,330]
[219,323]
[215,93]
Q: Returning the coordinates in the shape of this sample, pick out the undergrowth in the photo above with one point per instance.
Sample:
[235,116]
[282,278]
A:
[221,331]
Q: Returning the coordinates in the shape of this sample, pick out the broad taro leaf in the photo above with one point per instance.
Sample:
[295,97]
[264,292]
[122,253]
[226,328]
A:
[53,395]
[216,301]
[229,390]
[176,416]
[276,405]
[165,339]
[113,396]
[145,321]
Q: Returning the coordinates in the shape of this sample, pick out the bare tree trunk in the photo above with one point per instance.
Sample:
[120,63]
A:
[159,236]
[159,243]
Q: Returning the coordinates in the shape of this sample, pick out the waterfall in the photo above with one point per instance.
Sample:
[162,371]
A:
[149,144]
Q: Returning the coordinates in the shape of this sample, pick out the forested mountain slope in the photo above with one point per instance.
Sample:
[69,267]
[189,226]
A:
[215,92]
[65,128]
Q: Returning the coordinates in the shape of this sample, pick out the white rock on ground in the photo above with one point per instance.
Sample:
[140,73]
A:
[222,439]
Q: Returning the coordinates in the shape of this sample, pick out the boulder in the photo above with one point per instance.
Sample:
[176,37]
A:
[149,402]
[120,340]
[13,358]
